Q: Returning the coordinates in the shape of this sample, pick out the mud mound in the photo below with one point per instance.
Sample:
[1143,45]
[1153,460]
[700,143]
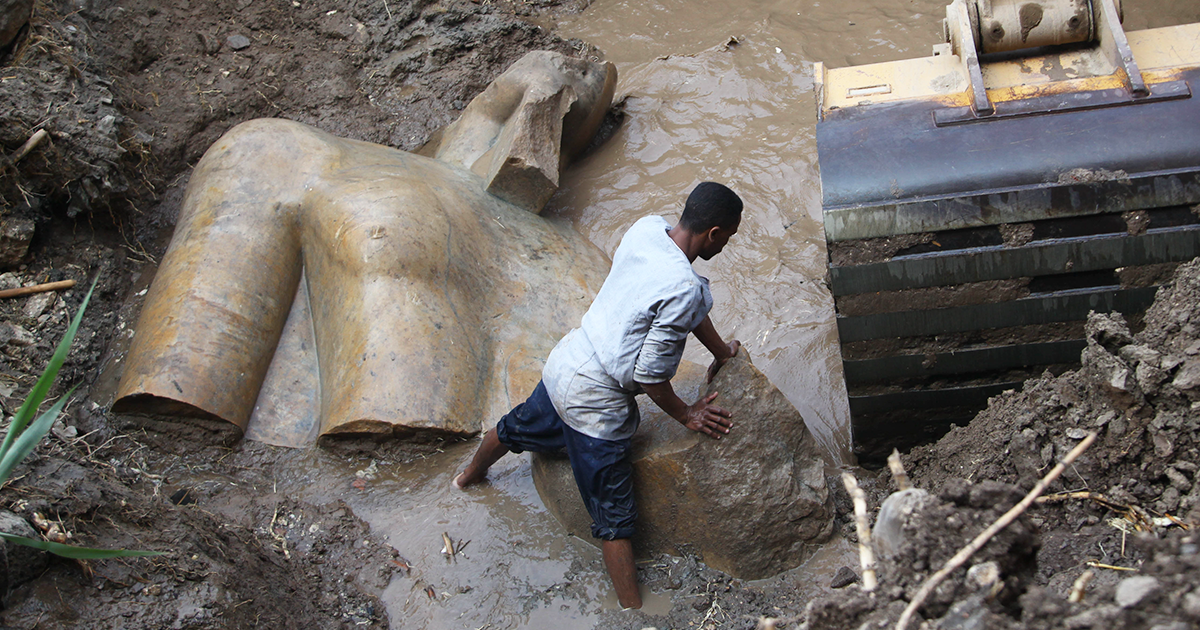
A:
[132,95]
[286,567]
[1139,392]
[1114,526]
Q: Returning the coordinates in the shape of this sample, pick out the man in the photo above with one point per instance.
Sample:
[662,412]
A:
[629,342]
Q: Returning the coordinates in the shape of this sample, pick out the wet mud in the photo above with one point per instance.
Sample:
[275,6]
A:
[350,534]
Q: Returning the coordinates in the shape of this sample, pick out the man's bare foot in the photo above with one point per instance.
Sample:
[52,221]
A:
[490,450]
[464,479]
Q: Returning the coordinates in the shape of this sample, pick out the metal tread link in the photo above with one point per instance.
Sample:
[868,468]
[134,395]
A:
[1023,312]
[961,266]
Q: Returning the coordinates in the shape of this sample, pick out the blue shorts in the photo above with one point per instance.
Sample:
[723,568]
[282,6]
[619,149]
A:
[602,468]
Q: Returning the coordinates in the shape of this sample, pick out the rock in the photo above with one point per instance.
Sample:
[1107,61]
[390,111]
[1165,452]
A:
[752,504]
[893,514]
[15,237]
[237,42]
[14,15]
[1191,604]
[18,564]
[1134,590]
[38,303]
[844,577]
[13,335]
[1188,376]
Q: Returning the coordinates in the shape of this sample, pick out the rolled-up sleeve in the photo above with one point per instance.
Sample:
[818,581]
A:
[675,317]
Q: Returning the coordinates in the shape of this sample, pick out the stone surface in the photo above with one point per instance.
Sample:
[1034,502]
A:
[15,237]
[237,42]
[897,509]
[318,285]
[18,563]
[844,577]
[14,14]
[752,504]
[1132,591]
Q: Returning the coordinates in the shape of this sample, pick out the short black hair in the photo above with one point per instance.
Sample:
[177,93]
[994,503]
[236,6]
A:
[711,205]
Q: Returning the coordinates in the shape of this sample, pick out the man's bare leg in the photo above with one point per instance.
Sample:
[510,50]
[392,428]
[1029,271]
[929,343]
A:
[489,451]
[618,559]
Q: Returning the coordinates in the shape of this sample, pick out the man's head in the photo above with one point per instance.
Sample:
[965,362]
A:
[714,211]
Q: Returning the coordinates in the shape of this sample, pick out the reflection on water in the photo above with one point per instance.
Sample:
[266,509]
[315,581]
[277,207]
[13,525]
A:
[698,107]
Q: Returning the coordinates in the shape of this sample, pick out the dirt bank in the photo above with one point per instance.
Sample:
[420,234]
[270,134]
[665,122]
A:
[132,94]
[1125,511]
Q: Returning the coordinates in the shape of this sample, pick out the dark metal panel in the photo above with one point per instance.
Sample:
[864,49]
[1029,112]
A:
[957,267]
[962,361]
[892,152]
[1023,312]
[974,396]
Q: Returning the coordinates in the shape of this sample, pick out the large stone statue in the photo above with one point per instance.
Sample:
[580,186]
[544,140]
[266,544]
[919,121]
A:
[423,290]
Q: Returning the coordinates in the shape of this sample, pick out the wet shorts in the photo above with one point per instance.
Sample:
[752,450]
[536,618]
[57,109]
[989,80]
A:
[602,469]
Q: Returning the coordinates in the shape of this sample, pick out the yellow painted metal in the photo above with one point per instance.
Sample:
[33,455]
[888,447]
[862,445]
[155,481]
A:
[1161,54]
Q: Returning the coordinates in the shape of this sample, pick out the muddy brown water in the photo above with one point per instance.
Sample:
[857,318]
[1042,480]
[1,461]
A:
[716,90]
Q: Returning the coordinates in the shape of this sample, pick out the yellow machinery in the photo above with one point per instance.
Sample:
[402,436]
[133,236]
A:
[980,202]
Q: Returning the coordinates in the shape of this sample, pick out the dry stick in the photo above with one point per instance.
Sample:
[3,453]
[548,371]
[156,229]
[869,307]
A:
[29,145]
[1004,521]
[865,555]
[37,288]
[898,473]
[1080,586]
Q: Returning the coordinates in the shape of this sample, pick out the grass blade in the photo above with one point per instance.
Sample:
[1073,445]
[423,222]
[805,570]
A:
[42,387]
[30,437]
[71,551]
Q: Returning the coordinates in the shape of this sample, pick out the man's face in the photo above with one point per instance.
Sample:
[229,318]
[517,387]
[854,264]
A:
[716,240]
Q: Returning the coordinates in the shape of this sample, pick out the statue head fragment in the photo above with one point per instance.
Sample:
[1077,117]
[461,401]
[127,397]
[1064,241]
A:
[529,123]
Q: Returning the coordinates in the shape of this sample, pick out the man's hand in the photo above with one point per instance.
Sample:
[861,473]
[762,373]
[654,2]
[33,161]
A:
[719,361]
[702,416]
[707,418]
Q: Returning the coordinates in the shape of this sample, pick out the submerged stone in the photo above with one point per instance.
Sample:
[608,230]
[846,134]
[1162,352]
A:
[752,504]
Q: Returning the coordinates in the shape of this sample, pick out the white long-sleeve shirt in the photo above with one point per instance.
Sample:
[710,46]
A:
[634,332]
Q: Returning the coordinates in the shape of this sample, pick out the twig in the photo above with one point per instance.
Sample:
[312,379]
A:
[865,555]
[975,545]
[29,145]
[1080,586]
[1101,565]
[37,288]
[898,473]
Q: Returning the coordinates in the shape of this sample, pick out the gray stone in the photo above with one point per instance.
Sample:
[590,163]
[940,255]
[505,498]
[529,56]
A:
[1191,604]
[1134,590]
[752,504]
[888,533]
[237,42]
[18,564]
[38,303]
[15,237]
[844,577]
[1188,376]
[14,14]
[13,335]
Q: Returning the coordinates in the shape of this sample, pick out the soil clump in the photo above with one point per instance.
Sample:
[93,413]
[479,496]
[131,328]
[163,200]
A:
[131,95]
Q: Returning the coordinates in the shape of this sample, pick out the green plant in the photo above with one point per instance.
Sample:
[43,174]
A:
[23,435]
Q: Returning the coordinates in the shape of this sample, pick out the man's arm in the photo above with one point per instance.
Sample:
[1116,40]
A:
[702,416]
[722,352]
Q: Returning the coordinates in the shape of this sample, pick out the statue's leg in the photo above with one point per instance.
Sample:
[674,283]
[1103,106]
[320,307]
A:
[214,313]
[396,315]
